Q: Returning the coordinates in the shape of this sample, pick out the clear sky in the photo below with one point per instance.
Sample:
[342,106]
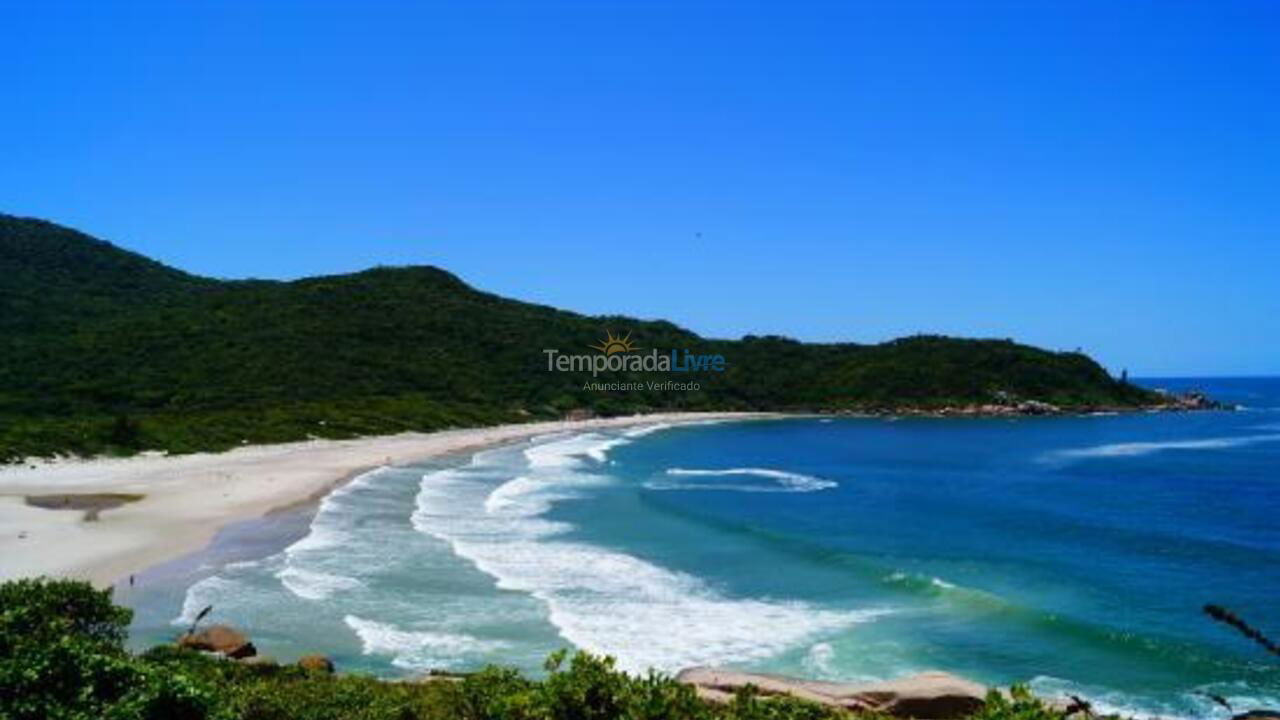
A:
[1103,175]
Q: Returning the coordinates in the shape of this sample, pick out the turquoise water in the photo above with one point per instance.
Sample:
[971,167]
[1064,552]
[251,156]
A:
[1073,554]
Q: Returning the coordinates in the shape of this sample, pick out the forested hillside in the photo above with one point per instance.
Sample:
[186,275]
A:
[103,350]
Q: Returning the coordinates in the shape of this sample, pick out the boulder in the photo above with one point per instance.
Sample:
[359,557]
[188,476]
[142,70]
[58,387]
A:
[222,639]
[1035,407]
[928,696]
[719,685]
[316,663]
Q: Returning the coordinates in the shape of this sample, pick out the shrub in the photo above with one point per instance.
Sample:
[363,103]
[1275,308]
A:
[591,688]
[36,611]
[748,705]
[492,694]
[62,657]
[1019,704]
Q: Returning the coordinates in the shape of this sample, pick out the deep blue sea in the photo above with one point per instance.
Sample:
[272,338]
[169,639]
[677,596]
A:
[1070,553]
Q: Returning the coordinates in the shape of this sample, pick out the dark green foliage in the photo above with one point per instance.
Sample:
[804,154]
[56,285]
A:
[41,611]
[61,658]
[748,705]
[1226,617]
[491,694]
[126,433]
[1019,704]
[591,689]
[269,692]
[102,350]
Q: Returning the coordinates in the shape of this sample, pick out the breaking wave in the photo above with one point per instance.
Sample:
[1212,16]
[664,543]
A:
[600,599]
[418,649]
[779,481]
[1147,448]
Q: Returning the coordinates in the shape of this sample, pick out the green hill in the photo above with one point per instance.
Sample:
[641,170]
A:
[104,350]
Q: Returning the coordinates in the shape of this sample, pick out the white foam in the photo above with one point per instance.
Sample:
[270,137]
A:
[521,496]
[547,437]
[599,599]
[302,568]
[315,585]
[569,452]
[1189,705]
[658,427]
[324,533]
[209,591]
[310,569]
[320,536]
[648,430]
[783,481]
[819,662]
[528,497]
[418,649]
[901,577]
[1147,448]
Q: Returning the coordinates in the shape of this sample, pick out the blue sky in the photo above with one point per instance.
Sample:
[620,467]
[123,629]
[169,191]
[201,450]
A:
[1103,175]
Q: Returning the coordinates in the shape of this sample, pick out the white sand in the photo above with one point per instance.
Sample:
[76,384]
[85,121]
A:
[188,497]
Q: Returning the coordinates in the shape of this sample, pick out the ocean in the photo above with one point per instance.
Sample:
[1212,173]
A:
[1073,554]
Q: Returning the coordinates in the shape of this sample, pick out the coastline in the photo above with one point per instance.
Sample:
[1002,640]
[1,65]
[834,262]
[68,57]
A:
[187,498]
[277,526]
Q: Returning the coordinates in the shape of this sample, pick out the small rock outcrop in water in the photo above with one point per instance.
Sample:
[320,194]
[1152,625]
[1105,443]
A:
[1190,400]
[316,663]
[929,696]
[222,639]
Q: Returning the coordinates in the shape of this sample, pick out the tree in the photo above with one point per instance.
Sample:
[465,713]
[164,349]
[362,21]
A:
[126,433]
[62,657]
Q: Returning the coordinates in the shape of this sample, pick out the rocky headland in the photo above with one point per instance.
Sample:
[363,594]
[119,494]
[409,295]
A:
[1008,405]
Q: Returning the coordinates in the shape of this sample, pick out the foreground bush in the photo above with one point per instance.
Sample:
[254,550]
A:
[1019,704]
[62,657]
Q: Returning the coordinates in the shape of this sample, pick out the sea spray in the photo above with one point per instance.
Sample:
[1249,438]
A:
[600,599]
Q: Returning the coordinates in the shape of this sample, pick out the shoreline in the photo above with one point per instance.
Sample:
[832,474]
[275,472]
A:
[187,498]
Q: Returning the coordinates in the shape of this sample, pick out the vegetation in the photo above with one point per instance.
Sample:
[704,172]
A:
[1226,617]
[103,350]
[62,658]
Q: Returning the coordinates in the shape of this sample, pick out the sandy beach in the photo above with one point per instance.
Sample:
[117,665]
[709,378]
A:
[186,498]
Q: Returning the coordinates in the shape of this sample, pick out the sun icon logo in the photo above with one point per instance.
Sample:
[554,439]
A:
[611,344]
